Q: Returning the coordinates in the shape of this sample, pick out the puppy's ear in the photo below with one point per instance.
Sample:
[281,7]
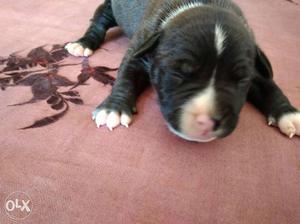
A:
[262,64]
[148,45]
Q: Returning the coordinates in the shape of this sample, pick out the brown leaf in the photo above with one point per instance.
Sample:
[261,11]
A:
[16,62]
[104,69]
[292,1]
[70,93]
[82,78]
[32,100]
[2,60]
[17,78]
[59,54]
[42,88]
[18,73]
[58,80]
[29,81]
[47,120]
[41,56]
[77,101]
[53,99]
[5,80]
[57,47]
[104,78]
[58,106]
[86,73]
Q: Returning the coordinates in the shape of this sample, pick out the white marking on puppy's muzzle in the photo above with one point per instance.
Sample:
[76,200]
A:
[183,136]
[202,103]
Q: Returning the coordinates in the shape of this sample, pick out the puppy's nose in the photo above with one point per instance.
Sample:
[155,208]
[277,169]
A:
[205,124]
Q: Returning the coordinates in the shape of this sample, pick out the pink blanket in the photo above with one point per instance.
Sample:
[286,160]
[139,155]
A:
[68,171]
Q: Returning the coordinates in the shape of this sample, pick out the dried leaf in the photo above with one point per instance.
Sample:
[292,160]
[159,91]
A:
[17,78]
[104,78]
[18,73]
[292,1]
[5,80]
[70,93]
[59,105]
[30,80]
[57,47]
[77,101]
[16,63]
[32,100]
[47,120]
[58,80]
[41,56]
[59,54]
[53,99]
[82,78]
[42,88]
[2,60]
[45,82]
[104,69]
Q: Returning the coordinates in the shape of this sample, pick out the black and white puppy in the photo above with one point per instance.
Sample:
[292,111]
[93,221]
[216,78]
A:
[200,56]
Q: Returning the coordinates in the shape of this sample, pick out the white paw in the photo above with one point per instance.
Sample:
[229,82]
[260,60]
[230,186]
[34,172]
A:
[289,124]
[78,50]
[111,119]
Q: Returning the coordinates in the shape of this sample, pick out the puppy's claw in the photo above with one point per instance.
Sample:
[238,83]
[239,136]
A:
[292,135]
[113,120]
[100,117]
[87,52]
[67,46]
[125,120]
[271,121]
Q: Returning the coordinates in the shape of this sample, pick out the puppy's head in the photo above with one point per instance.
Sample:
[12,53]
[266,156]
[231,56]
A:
[202,71]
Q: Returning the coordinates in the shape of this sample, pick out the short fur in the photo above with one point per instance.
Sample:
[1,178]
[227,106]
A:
[179,58]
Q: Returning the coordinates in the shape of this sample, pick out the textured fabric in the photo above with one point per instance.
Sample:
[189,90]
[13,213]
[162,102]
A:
[76,173]
[123,12]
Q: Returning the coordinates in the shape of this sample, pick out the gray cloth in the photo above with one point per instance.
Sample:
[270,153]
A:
[129,14]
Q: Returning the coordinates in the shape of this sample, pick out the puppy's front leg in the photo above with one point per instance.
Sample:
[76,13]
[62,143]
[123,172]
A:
[120,105]
[103,20]
[269,99]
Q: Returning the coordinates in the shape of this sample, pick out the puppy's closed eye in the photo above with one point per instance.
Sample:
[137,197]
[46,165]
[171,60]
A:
[240,74]
[239,77]
[174,79]
[187,68]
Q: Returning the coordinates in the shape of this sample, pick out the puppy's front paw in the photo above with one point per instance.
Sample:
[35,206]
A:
[78,50]
[112,114]
[289,123]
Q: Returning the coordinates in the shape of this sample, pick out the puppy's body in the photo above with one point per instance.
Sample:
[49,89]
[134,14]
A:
[200,56]
[129,14]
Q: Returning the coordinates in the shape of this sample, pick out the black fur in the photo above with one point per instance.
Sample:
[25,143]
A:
[103,20]
[181,58]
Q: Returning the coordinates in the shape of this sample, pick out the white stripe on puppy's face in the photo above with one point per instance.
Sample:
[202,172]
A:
[220,38]
[204,103]
[180,10]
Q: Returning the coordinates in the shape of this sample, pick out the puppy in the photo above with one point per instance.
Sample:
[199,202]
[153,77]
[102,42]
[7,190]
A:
[200,56]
